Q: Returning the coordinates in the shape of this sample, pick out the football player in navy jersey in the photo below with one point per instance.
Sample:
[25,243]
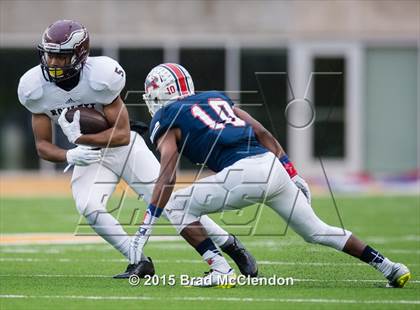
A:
[250,167]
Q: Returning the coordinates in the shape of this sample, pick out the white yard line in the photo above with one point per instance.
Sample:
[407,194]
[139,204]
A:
[177,261]
[69,238]
[350,280]
[403,251]
[223,299]
[109,276]
[63,238]
[56,275]
[57,249]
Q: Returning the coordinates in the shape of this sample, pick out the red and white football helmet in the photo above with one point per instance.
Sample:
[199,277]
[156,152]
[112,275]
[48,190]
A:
[166,83]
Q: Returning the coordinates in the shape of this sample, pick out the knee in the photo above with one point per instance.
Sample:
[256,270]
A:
[92,217]
[331,236]
[179,218]
[312,238]
[87,207]
[317,238]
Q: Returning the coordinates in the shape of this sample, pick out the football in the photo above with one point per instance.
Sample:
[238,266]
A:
[91,121]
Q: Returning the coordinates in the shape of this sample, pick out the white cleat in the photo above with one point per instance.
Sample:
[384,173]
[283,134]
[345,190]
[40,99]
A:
[215,278]
[399,276]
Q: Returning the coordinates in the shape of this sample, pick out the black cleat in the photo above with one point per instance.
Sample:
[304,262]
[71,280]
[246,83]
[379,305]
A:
[141,269]
[244,260]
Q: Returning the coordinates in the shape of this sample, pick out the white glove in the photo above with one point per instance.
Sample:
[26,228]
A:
[303,186]
[83,156]
[137,243]
[71,130]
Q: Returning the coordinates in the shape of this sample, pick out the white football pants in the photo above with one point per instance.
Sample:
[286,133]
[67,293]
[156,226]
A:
[255,179]
[93,185]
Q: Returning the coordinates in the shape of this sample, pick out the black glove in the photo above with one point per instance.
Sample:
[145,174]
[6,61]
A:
[139,127]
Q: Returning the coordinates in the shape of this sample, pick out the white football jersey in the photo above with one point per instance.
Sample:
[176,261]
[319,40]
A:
[101,81]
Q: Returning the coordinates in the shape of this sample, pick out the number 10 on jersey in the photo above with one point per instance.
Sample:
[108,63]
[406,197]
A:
[224,112]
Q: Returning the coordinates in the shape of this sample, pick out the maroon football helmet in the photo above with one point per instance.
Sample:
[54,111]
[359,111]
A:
[65,37]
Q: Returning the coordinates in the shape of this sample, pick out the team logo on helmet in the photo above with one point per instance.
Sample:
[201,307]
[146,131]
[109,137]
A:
[166,83]
[68,38]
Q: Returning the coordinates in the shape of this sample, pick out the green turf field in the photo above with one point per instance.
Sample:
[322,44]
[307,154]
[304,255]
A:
[73,276]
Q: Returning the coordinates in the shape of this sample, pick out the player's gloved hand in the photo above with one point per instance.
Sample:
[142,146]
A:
[139,240]
[303,186]
[300,183]
[83,156]
[70,129]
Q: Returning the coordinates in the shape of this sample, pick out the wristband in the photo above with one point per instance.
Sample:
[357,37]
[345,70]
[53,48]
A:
[288,165]
[150,217]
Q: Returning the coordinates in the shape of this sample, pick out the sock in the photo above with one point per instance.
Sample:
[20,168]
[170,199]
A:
[207,249]
[377,260]
[229,241]
[216,233]
[106,226]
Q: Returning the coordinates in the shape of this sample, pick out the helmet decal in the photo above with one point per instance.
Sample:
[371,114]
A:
[179,76]
[166,83]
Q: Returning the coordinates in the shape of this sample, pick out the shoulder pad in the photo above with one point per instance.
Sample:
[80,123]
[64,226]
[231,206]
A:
[106,74]
[30,86]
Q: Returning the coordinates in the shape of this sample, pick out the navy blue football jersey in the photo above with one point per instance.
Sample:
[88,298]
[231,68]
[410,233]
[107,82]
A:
[211,133]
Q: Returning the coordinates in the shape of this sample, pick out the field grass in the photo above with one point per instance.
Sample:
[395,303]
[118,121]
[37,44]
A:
[79,275]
